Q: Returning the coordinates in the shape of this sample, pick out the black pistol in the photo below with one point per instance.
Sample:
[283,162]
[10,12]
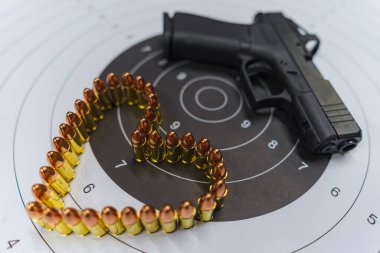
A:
[272,45]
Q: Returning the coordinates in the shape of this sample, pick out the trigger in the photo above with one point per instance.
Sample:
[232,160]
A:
[259,68]
[265,87]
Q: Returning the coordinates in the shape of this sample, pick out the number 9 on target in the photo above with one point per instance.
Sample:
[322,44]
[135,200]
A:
[246,123]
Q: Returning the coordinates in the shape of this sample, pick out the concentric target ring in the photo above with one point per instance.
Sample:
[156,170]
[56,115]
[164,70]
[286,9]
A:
[216,78]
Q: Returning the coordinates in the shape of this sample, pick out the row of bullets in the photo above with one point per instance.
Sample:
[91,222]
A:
[70,220]
[148,144]
[48,210]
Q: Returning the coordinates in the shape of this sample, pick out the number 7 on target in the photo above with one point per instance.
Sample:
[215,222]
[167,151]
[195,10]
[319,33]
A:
[123,163]
[303,166]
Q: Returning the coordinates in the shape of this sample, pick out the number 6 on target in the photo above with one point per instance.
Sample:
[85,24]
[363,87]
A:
[88,188]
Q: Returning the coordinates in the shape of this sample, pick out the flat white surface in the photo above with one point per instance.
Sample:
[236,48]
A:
[51,50]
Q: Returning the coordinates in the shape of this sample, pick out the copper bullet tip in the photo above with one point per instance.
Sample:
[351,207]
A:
[152,100]
[34,210]
[140,83]
[90,217]
[129,216]
[186,210]
[55,159]
[144,126]
[138,138]
[66,131]
[207,201]
[110,215]
[219,188]
[73,119]
[112,80]
[149,89]
[81,107]
[148,214]
[48,174]
[203,146]
[99,85]
[188,140]
[127,80]
[149,113]
[215,155]
[220,171]
[52,216]
[172,139]
[71,216]
[167,213]
[89,95]
[40,191]
[61,145]
[155,138]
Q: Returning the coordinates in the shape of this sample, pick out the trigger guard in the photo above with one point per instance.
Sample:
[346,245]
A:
[256,99]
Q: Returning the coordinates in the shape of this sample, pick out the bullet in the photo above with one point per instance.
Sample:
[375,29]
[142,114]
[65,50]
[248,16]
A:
[64,168]
[139,88]
[93,102]
[131,221]
[54,218]
[64,148]
[53,179]
[149,219]
[186,214]
[69,134]
[85,115]
[116,89]
[168,219]
[138,141]
[35,212]
[156,147]
[219,172]
[144,127]
[219,189]
[111,219]
[72,218]
[206,207]
[214,157]
[129,88]
[46,196]
[149,89]
[91,219]
[152,101]
[203,150]
[151,116]
[78,125]
[101,91]
[188,148]
[172,147]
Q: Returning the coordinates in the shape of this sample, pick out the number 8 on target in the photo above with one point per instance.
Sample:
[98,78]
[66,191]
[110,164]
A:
[272,144]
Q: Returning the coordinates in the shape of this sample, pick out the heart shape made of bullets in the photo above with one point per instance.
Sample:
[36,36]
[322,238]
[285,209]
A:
[147,144]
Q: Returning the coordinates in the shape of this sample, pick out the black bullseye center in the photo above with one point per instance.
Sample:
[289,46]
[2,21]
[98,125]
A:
[211,98]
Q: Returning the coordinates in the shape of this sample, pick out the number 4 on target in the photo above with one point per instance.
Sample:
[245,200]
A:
[12,243]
